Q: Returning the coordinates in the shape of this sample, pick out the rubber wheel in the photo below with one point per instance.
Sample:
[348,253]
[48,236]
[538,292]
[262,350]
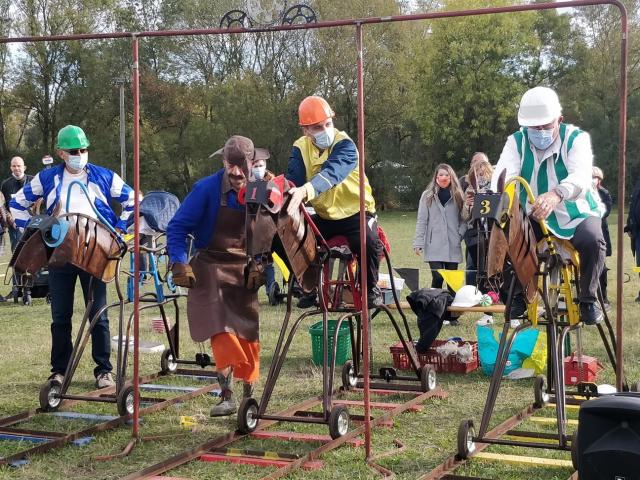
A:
[338,421]
[466,444]
[574,450]
[247,415]
[125,401]
[49,402]
[167,363]
[540,395]
[427,378]
[349,377]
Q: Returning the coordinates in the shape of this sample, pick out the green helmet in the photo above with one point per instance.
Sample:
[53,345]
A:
[71,137]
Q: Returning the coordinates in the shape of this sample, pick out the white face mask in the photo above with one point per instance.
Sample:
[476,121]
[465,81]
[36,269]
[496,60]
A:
[258,172]
[78,162]
[325,138]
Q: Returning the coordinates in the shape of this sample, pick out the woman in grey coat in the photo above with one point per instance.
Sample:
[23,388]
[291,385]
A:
[440,227]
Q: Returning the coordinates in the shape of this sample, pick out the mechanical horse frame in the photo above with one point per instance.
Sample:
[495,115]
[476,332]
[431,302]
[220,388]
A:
[310,255]
[553,280]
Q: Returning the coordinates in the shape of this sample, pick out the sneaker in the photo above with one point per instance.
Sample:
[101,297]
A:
[308,300]
[226,407]
[57,377]
[374,298]
[515,322]
[451,323]
[590,313]
[105,380]
[486,319]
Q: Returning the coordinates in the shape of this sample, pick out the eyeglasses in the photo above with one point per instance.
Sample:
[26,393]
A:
[76,151]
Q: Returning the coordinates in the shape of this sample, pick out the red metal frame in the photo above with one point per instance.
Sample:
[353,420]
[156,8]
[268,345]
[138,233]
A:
[358,23]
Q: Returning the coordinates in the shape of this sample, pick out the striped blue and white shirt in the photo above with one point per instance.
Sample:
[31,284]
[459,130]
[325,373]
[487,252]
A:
[104,187]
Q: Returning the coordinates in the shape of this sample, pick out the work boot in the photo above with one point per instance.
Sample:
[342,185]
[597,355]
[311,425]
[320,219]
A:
[308,300]
[247,390]
[227,405]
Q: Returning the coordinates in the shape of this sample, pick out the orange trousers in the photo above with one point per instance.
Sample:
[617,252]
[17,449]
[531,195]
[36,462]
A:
[243,356]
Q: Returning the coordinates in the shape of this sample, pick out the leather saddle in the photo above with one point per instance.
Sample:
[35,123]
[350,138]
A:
[86,244]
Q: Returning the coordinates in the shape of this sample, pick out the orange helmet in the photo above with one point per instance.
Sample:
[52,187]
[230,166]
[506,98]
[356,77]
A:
[314,109]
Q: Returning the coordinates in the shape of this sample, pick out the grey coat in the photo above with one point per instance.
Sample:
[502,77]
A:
[439,230]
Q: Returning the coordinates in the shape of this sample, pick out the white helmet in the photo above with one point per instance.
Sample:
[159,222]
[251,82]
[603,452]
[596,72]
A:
[597,173]
[467,296]
[539,106]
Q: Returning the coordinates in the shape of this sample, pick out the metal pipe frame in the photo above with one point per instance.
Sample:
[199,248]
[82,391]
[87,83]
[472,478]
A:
[359,23]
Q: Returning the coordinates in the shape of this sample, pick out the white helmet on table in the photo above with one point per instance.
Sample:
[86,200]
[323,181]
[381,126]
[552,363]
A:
[467,296]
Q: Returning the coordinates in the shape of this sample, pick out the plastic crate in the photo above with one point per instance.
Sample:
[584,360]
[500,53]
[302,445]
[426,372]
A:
[343,351]
[448,364]
[573,374]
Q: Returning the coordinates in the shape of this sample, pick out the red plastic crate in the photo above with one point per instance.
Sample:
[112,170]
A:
[573,374]
[449,364]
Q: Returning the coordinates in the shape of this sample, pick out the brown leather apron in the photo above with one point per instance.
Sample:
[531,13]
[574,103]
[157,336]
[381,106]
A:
[220,302]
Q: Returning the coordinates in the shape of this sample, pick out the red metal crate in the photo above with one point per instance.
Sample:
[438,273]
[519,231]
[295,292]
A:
[573,374]
[449,364]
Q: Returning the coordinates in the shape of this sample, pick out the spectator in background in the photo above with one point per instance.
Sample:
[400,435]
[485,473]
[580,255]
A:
[440,227]
[9,188]
[479,175]
[605,197]
[633,226]
[484,168]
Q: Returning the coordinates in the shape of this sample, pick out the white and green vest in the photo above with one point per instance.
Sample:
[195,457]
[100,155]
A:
[551,171]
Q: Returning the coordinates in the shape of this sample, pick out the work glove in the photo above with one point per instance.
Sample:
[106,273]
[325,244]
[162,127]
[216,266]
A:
[183,275]
[254,276]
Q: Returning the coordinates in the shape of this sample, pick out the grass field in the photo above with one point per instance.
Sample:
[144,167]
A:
[429,436]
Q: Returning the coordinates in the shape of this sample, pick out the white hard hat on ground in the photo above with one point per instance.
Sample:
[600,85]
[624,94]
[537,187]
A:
[539,106]
[467,296]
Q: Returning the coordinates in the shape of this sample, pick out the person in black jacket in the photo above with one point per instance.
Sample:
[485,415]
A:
[605,197]
[633,226]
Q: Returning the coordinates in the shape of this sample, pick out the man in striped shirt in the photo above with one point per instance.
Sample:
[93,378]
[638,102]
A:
[556,159]
[103,187]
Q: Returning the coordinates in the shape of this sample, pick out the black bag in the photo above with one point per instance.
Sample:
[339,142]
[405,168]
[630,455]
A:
[609,438]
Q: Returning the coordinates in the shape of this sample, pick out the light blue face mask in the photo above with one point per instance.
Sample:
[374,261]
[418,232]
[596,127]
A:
[258,172]
[541,139]
[325,138]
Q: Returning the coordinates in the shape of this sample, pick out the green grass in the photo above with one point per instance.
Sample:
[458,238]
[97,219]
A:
[429,436]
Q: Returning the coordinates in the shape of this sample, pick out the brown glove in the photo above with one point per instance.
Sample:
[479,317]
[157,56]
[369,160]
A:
[254,276]
[183,275]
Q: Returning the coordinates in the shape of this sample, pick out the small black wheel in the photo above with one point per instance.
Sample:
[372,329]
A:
[125,400]
[167,362]
[466,444]
[247,415]
[349,376]
[49,395]
[540,394]
[338,421]
[574,450]
[427,378]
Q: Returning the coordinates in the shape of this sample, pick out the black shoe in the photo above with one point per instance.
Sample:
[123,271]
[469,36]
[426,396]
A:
[374,298]
[308,300]
[2,299]
[590,313]
[451,323]
[518,306]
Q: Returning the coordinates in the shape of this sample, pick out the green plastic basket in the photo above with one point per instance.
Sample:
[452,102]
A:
[344,342]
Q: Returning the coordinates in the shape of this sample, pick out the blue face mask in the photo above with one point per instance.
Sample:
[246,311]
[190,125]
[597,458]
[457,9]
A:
[541,139]
[325,138]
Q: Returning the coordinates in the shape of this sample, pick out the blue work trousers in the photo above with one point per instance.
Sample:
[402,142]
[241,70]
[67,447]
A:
[62,286]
